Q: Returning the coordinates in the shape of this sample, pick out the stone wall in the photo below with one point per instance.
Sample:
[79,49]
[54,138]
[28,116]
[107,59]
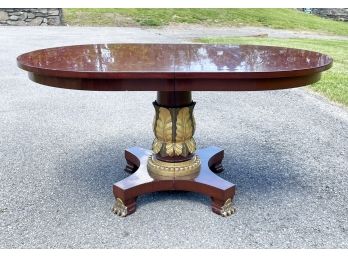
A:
[340,14]
[31,16]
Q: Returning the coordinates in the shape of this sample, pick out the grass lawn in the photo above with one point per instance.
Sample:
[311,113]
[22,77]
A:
[334,82]
[274,18]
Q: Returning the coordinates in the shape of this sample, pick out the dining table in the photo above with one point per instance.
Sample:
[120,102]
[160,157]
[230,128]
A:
[174,71]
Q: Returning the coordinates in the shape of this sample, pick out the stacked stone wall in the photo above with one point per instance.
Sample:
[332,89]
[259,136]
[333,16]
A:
[340,14]
[31,16]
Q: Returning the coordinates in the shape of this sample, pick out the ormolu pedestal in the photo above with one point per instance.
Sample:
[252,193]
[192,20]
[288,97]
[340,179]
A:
[173,163]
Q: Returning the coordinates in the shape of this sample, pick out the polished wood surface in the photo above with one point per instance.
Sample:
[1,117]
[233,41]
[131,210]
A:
[174,67]
[206,182]
[174,99]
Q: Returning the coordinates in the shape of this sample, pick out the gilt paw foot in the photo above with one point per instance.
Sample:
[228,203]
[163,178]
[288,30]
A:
[119,208]
[227,209]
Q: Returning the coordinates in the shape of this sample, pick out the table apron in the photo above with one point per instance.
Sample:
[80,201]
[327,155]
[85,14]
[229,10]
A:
[197,84]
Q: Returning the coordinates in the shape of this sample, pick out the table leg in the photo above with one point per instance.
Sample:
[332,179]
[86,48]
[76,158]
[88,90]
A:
[174,163]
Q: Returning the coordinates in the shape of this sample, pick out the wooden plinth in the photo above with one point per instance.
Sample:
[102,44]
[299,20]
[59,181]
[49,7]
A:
[206,182]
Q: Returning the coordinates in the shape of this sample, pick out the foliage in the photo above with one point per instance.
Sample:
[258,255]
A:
[274,18]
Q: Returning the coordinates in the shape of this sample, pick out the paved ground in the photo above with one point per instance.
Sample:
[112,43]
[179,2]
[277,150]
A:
[61,151]
[190,32]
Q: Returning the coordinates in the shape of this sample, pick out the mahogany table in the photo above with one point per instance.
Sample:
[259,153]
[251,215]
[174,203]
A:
[174,71]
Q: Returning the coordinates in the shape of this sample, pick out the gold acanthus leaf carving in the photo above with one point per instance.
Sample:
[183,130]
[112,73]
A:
[174,148]
[162,129]
[184,127]
[185,130]
[191,145]
[164,125]
[156,146]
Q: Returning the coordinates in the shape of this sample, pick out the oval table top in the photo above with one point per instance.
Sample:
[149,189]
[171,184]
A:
[174,67]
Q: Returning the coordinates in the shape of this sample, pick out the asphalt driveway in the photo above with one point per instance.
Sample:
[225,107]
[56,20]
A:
[61,151]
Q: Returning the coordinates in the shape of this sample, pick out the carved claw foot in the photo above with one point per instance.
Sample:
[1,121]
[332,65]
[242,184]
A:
[119,208]
[225,209]
[124,208]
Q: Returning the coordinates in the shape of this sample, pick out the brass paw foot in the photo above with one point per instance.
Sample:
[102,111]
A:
[227,209]
[119,208]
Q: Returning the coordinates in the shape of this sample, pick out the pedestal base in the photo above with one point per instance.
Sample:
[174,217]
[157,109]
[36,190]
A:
[205,182]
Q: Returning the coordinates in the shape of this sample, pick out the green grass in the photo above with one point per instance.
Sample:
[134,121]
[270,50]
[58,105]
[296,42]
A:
[334,82]
[274,18]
